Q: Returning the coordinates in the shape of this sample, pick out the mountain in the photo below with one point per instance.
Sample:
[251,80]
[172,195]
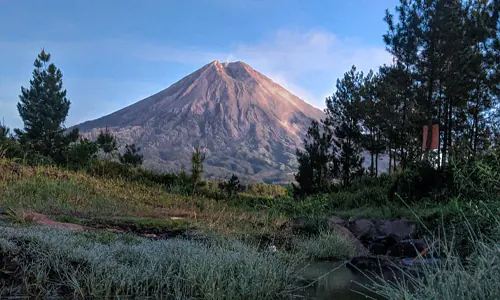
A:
[246,123]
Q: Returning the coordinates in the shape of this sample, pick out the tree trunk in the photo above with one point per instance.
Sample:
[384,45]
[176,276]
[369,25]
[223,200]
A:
[445,137]
[439,122]
[390,158]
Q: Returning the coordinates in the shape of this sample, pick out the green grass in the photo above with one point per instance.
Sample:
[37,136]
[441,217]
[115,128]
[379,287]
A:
[158,224]
[326,246]
[100,265]
[75,196]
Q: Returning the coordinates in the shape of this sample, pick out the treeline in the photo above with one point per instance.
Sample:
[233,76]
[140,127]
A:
[445,72]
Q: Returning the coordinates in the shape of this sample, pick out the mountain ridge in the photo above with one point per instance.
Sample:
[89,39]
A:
[247,123]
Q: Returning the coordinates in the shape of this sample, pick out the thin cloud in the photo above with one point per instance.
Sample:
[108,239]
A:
[307,63]
[299,56]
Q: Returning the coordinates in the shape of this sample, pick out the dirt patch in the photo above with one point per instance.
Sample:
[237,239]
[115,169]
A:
[149,231]
[44,220]
[164,228]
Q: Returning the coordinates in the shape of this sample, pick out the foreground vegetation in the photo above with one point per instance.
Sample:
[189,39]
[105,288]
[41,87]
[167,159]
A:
[59,262]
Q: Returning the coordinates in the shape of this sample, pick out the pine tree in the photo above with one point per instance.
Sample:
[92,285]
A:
[372,120]
[448,49]
[318,165]
[197,159]
[43,108]
[106,141]
[132,156]
[231,187]
[344,117]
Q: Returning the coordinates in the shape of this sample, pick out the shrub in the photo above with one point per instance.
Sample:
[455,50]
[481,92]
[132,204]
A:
[115,170]
[81,154]
[421,181]
[264,189]
[231,187]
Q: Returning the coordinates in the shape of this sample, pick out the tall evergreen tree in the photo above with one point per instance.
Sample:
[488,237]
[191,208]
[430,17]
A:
[372,120]
[106,141]
[343,111]
[43,108]
[318,164]
[231,186]
[447,47]
[197,159]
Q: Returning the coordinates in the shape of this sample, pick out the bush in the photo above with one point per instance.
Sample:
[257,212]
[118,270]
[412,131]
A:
[264,189]
[116,170]
[478,178]
[421,181]
[347,199]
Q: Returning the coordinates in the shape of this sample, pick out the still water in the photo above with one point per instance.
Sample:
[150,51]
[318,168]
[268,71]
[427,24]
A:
[339,284]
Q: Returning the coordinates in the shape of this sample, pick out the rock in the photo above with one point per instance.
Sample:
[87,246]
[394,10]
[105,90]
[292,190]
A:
[400,228]
[378,249]
[42,219]
[303,225]
[360,248]
[150,236]
[388,241]
[363,229]
[272,249]
[336,220]
[408,248]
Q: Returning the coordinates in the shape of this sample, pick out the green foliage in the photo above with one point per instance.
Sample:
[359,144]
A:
[10,148]
[197,159]
[327,245]
[4,132]
[80,155]
[478,178]
[317,163]
[44,108]
[343,115]
[422,181]
[264,189]
[231,187]
[106,141]
[111,169]
[131,156]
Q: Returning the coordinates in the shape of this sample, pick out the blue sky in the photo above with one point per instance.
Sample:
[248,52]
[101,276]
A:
[115,53]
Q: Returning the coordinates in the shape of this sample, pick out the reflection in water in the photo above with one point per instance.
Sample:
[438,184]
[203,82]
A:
[340,284]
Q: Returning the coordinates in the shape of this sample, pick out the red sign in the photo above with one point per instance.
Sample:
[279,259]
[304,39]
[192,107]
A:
[435,137]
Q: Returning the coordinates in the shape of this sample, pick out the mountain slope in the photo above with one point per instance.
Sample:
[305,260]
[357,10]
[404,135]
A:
[247,124]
